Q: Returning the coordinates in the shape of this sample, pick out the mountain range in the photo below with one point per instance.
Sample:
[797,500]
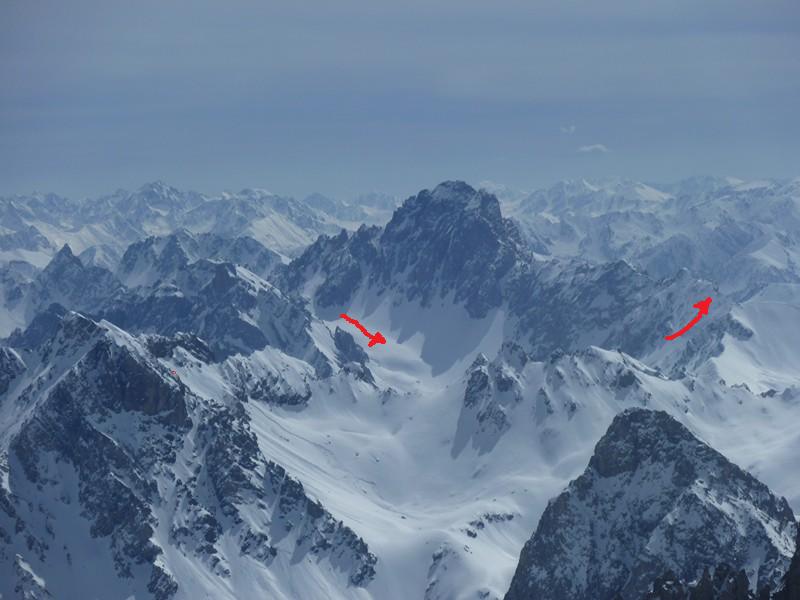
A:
[183,412]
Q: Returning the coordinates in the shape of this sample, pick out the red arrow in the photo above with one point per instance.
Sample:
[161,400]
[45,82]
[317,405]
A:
[702,309]
[377,338]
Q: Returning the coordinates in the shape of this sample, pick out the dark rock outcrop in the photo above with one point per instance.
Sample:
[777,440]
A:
[653,499]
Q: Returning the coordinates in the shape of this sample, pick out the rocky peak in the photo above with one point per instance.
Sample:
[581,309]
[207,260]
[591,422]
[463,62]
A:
[448,209]
[451,240]
[158,259]
[62,262]
[653,499]
[456,238]
[157,196]
[66,280]
[638,437]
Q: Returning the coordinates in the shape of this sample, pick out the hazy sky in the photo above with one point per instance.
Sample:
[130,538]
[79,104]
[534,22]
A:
[342,97]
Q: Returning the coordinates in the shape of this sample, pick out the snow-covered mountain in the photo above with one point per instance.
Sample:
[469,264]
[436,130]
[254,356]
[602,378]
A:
[34,227]
[159,258]
[739,234]
[104,468]
[653,498]
[182,409]
[452,246]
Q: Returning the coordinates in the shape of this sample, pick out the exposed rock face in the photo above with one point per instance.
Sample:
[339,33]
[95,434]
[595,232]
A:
[67,281]
[790,586]
[352,356]
[491,392]
[76,429]
[11,365]
[234,310]
[162,346]
[160,258]
[348,349]
[344,260]
[723,584]
[40,329]
[452,239]
[653,498]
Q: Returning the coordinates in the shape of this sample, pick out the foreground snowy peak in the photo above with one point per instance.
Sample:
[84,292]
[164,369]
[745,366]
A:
[109,460]
[653,498]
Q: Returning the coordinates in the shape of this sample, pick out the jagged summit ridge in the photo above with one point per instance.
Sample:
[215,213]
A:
[449,240]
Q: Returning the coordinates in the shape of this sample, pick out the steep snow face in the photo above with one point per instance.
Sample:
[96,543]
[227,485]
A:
[653,498]
[767,360]
[417,470]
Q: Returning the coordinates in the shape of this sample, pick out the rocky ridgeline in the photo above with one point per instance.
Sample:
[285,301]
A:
[113,437]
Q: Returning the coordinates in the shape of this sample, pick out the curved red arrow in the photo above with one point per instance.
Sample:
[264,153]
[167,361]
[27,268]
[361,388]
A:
[376,338]
[702,309]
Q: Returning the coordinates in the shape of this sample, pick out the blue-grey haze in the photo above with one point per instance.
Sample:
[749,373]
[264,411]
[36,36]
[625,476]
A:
[349,96]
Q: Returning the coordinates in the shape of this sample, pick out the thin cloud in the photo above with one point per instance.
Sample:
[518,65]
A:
[568,129]
[594,149]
